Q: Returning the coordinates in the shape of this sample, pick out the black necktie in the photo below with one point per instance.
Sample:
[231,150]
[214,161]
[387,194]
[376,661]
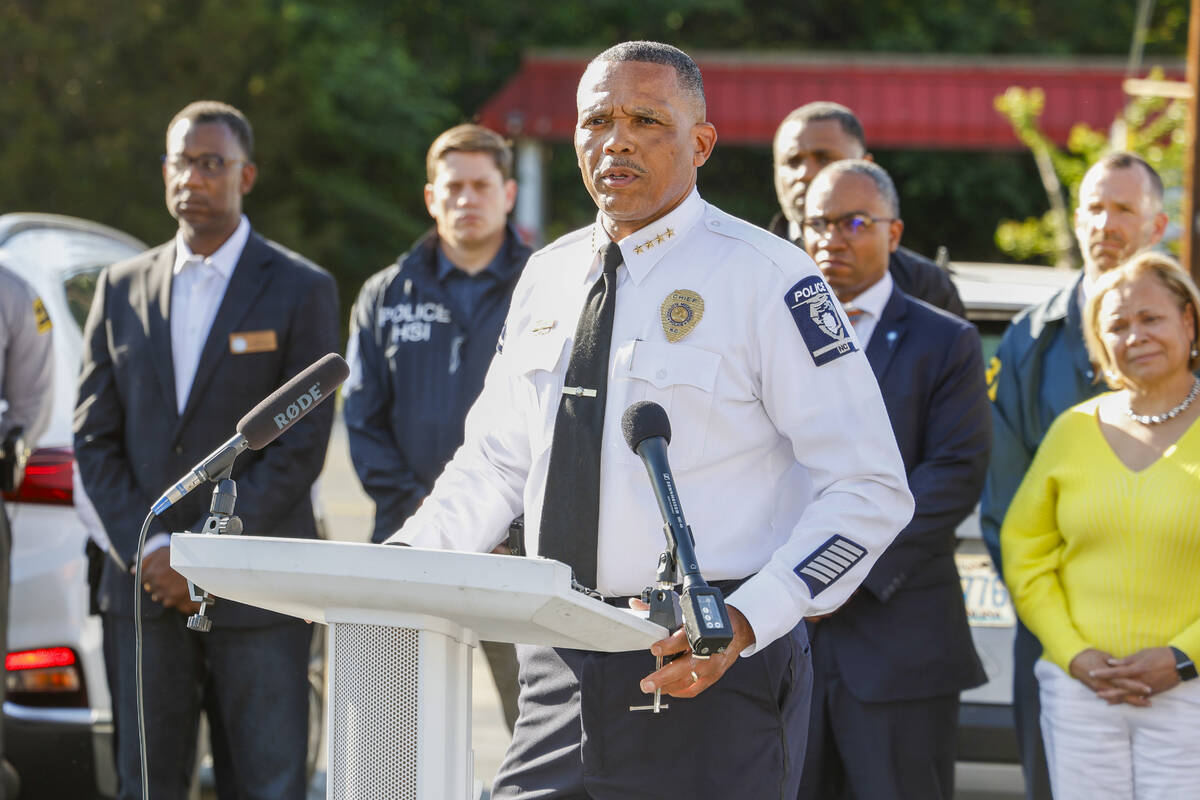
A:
[571,506]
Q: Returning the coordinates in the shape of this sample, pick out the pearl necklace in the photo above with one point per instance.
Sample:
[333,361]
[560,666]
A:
[1157,419]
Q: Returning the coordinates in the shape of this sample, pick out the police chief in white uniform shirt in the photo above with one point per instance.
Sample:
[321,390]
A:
[784,459]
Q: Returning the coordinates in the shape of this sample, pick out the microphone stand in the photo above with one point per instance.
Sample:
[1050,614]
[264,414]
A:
[664,610]
[701,612]
[221,520]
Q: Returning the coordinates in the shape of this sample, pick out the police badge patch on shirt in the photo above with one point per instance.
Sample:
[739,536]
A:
[40,317]
[813,308]
[681,312]
[992,377]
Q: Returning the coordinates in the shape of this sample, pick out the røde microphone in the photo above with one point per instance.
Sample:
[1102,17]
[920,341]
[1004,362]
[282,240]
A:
[647,432]
[264,423]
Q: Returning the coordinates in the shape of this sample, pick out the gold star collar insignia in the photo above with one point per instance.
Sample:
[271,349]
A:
[653,240]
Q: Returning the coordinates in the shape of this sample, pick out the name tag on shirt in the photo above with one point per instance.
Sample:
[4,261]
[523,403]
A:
[245,342]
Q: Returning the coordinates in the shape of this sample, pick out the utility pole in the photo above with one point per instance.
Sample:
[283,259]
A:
[1189,240]
[1190,245]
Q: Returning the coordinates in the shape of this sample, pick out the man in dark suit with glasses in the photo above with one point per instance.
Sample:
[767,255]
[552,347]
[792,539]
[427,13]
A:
[888,666]
[182,341]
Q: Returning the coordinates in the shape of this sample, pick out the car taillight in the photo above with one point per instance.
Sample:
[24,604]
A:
[47,478]
[48,676]
[39,659]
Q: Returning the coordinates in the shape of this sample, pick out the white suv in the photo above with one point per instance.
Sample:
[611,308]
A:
[57,717]
[58,726]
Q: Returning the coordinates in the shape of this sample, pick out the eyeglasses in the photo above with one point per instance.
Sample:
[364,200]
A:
[849,226]
[210,165]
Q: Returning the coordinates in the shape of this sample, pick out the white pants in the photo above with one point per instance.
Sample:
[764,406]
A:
[1096,751]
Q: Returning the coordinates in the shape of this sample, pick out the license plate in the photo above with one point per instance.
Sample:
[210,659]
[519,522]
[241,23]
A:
[986,597]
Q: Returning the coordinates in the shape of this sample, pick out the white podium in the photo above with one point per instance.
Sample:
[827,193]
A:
[402,622]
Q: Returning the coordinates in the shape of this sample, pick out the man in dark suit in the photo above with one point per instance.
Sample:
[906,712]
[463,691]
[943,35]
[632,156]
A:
[810,138]
[180,343]
[889,664]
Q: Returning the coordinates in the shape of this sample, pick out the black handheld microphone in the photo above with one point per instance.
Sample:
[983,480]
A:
[647,432]
[264,423]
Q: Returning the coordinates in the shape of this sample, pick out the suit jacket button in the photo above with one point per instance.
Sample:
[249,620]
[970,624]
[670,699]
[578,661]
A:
[178,449]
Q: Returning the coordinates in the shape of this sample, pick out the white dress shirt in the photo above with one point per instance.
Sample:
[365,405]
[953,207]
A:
[197,286]
[871,303]
[773,455]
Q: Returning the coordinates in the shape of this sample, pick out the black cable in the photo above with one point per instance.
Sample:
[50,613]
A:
[137,628]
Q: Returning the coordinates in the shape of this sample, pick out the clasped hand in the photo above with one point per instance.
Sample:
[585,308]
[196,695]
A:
[165,585]
[1132,679]
[689,676]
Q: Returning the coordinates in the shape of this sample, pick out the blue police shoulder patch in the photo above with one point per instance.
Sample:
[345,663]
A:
[812,306]
[829,562]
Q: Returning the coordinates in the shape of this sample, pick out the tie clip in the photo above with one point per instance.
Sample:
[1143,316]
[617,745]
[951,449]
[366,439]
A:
[578,391]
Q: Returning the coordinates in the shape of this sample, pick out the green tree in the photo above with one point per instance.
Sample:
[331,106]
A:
[342,117]
[1048,27]
[1152,127]
[346,97]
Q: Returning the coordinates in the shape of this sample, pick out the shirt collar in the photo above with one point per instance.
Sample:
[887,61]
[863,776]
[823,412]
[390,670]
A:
[645,247]
[444,267]
[795,233]
[1086,287]
[876,297]
[227,255]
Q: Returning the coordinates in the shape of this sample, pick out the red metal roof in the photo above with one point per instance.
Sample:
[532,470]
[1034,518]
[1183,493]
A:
[904,102]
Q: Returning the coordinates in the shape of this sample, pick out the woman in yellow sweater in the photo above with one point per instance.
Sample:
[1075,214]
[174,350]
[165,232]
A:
[1101,549]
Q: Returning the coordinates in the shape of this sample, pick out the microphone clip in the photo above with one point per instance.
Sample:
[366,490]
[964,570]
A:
[662,597]
[221,521]
[666,611]
[700,611]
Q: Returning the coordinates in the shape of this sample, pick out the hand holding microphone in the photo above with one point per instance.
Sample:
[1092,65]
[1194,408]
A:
[714,633]
[647,431]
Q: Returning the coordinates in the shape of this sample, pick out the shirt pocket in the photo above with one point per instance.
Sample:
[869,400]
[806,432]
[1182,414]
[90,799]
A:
[680,378]
[538,366]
